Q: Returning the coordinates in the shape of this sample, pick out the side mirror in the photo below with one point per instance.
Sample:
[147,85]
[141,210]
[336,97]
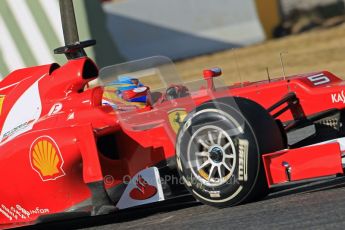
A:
[209,74]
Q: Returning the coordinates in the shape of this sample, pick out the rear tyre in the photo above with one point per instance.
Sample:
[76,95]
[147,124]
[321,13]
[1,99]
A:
[219,148]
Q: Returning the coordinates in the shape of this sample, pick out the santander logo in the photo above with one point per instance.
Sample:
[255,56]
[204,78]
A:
[143,190]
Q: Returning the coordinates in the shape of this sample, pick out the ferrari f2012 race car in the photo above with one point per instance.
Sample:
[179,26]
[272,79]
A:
[73,140]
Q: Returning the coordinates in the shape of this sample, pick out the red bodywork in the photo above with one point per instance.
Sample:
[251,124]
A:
[47,159]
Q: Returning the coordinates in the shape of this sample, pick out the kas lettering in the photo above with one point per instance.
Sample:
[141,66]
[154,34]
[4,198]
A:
[338,97]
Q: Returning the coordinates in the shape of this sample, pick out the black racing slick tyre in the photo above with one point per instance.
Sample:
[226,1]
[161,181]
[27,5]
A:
[219,148]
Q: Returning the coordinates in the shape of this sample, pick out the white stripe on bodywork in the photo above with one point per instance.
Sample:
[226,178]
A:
[341,142]
[9,49]
[24,113]
[33,35]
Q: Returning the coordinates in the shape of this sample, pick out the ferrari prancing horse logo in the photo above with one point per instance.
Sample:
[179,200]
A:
[176,118]
[46,158]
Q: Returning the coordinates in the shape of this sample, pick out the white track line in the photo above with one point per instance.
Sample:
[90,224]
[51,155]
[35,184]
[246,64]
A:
[9,50]
[28,26]
[52,10]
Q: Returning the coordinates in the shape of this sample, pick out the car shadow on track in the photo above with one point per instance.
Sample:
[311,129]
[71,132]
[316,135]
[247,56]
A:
[118,217]
[182,203]
[307,187]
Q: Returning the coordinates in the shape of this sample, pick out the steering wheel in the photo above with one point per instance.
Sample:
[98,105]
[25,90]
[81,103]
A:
[176,91]
[173,92]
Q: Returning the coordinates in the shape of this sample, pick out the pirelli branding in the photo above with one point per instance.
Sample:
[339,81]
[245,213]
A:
[243,160]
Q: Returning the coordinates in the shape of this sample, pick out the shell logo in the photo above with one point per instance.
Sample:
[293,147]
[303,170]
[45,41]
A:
[46,158]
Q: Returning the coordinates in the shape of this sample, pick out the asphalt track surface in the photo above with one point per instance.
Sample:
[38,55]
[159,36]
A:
[315,205]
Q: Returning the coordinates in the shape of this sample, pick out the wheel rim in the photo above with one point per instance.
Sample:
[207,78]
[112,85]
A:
[212,155]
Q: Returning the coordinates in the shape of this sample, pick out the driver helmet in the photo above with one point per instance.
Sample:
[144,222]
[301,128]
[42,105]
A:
[130,89]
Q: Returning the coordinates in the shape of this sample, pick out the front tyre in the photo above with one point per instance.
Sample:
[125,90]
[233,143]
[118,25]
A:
[219,150]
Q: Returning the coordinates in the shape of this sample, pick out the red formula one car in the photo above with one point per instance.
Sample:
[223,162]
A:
[72,142]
